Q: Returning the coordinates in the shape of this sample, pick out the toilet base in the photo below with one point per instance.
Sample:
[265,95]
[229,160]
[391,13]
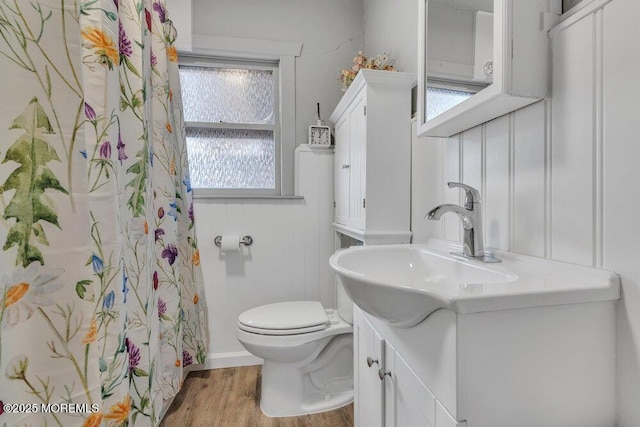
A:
[294,389]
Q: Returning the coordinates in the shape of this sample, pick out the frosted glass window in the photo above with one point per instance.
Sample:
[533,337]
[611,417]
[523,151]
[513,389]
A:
[227,95]
[231,158]
[233,126]
[440,100]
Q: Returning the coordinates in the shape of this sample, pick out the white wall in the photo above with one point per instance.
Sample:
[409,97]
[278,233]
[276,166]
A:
[619,204]
[331,32]
[292,238]
[427,166]
[554,176]
[557,176]
[180,12]
[392,27]
[288,260]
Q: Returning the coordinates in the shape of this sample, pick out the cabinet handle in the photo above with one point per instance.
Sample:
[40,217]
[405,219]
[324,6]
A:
[371,361]
[346,166]
[382,373]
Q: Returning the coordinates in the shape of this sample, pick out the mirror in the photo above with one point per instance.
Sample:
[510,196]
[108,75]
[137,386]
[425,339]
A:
[480,59]
[460,52]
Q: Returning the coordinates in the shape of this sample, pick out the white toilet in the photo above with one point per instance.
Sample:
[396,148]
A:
[308,356]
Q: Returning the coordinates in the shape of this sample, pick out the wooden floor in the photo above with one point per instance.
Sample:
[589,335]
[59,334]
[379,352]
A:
[230,398]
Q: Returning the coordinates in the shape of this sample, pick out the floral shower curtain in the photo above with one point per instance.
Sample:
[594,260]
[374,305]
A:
[101,296]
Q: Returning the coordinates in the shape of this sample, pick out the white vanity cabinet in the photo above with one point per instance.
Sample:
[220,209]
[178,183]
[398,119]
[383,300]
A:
[373,157]
[548,366]
[368,358]
[388,392]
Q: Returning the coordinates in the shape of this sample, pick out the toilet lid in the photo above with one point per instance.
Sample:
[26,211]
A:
[300,316]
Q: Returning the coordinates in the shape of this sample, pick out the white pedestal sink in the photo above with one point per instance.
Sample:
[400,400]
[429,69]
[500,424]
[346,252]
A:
[527,342]
[404,284]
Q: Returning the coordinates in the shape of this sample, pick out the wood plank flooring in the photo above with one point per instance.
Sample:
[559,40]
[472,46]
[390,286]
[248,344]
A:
[230,398]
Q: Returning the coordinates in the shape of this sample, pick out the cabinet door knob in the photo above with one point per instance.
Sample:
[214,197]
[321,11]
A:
[346,166]
[382,373]
[371,361]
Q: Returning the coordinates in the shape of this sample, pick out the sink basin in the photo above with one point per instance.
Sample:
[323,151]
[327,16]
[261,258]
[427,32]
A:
[404,284]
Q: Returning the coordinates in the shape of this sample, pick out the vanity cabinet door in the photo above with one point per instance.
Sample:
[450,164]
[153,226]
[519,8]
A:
[369,390]
[393,384]
[408,402]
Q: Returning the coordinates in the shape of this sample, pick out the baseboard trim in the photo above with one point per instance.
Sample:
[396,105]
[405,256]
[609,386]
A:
[231,360]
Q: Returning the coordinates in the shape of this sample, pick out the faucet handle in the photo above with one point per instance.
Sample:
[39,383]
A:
[471,195]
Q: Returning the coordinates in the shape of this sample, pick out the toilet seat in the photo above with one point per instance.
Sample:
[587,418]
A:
[285,318]
[296,331]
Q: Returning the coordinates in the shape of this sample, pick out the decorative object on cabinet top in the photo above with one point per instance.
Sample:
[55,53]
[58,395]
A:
[360,61]
[372,78]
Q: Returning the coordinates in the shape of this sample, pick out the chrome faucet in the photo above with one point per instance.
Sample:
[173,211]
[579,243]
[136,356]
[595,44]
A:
[471,215]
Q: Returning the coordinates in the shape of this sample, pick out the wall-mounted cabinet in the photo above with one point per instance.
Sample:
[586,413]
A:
[372,165]
[480,59]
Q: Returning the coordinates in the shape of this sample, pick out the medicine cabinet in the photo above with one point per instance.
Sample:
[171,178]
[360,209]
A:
[480,59]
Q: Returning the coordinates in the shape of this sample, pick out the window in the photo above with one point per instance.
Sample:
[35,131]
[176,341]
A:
[232,119]
[443,95]
[440,100]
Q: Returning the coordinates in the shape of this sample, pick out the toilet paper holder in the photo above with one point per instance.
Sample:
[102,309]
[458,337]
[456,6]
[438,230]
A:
[246,240]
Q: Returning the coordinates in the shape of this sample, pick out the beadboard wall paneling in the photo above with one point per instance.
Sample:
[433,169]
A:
[558,177]
[472,147]
[287,261]
[495,188]
[529,185]
[621,203]
[573,143]
[426,189]
[506,159]
[540,183]
[452,172]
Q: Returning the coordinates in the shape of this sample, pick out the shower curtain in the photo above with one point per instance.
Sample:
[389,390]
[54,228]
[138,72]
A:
[101,295]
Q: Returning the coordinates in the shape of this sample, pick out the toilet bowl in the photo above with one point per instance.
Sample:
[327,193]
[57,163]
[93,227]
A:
[308,356]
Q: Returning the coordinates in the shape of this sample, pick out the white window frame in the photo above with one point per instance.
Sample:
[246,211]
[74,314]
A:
[212,62]
[285,54]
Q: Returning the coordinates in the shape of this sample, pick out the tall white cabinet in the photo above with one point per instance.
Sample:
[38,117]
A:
[373,157]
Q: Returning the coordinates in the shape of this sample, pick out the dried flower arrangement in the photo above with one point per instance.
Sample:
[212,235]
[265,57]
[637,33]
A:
[360,61]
